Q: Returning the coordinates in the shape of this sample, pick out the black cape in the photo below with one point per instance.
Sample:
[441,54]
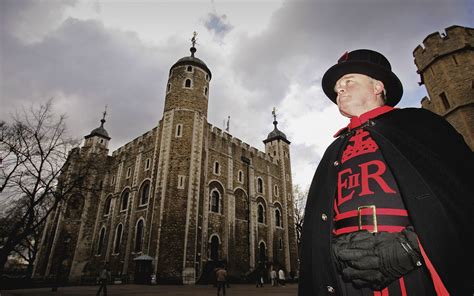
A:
[434,169]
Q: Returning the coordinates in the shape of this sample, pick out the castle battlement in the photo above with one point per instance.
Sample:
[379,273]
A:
[238,142]
[437,45]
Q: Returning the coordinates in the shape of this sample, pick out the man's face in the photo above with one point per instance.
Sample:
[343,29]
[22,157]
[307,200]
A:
[357,94]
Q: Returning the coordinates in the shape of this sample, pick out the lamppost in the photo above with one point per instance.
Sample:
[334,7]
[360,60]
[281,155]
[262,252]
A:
[62,257]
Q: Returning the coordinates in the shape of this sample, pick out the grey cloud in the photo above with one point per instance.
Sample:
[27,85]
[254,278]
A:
[218,24]
[304,38]
[91,66]
[30,20]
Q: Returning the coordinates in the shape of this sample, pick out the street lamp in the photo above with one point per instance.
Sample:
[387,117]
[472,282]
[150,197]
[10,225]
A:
[63,256]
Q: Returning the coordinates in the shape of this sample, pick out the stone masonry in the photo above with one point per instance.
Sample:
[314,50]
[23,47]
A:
[184,195]
[445,63]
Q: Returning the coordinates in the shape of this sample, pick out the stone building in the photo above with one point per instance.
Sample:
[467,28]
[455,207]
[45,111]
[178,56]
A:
[445,63]
[180,198]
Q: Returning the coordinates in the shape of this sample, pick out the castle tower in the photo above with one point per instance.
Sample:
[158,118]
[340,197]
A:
[98,140]
[66,241]
[179,172]
[446,66]
[278,147]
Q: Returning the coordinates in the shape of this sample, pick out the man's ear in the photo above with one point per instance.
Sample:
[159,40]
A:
[378,87]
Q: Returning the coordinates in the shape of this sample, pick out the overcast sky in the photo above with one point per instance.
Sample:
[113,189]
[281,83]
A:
[262,54]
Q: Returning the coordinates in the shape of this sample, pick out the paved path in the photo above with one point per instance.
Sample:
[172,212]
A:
[158,290]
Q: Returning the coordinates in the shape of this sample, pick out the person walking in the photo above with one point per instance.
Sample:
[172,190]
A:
[104,277]
[259,278]
[273,276]
[221,276]
[281,277]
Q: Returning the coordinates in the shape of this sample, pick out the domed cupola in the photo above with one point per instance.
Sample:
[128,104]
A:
[99,131]
[276,134]
[98,139]
[188,84]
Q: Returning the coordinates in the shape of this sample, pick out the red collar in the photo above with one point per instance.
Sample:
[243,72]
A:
[357,121]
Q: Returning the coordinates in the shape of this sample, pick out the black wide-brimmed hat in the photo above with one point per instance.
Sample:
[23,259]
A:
[367,62]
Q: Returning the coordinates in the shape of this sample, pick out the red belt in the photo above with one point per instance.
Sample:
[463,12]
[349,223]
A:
[372,219]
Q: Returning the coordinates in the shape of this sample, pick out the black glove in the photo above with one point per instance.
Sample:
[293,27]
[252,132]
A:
[345,241]
[378,259]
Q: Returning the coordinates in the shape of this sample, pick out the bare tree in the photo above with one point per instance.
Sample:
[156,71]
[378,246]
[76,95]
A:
[34,153]
[299,199]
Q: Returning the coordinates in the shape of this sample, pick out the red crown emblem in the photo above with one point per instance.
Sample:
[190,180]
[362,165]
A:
[363,144]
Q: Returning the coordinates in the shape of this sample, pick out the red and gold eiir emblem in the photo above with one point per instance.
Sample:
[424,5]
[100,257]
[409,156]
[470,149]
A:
[362,144]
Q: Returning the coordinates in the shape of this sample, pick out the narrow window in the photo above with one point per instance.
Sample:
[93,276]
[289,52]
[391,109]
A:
[147,164]
[207,77]
[168,88]
[259,185]
[113,180]
[216,168]
[181,181]
[179,130]
[187,83]
[189,69]
[276,190]
[215,199]
[278,218]
[100,243]
[118,239]
[145,192]
[139,236]
[280,244]
[124,201]
[107,205]
[241,177]
[445,101]
[261,214]
[205,91]
[129,172]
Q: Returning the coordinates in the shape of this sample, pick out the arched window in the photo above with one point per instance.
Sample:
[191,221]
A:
[262,253]
[261,213]
[214,248]
[124,201]
[278,221]
[216,168]
[100,243]
[215,201]
[259,185]
[189,69]
[187,83]
[144,193]
[118,238]
[139,236]
[107,205]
